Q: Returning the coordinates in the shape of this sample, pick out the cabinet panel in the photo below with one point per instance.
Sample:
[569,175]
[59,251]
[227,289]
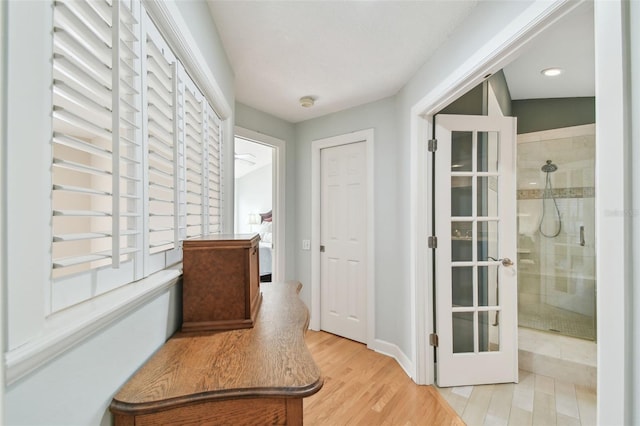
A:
[220,282]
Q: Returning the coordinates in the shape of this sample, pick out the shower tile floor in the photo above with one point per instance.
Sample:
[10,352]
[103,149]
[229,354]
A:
[535,400]
[545,317]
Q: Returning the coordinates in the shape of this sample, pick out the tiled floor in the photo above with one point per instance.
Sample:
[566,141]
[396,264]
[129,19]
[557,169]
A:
[535,400]
[564,358]
[541,316]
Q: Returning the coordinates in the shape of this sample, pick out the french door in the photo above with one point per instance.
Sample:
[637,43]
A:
[475,216]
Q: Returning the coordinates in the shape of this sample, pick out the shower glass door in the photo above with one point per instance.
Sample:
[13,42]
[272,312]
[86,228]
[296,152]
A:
[556,231]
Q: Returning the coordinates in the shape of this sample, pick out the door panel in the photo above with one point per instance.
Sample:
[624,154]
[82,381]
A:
[475,213]
[343,235]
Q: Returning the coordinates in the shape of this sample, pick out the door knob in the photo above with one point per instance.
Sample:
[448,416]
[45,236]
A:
[507,262]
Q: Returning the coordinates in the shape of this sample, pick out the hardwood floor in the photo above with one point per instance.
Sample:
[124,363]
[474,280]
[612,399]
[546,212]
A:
[362,387]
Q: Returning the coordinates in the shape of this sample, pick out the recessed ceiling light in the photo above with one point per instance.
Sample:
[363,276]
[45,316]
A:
[551,72]
[307,101]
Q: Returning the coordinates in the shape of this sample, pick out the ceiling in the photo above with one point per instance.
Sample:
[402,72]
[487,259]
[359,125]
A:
[347,53]
[250,156]
[343,53]
[569,45]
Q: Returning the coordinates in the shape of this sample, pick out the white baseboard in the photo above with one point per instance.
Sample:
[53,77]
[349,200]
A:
[394,351]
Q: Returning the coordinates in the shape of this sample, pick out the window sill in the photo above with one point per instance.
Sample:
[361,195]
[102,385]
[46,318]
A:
[64,330]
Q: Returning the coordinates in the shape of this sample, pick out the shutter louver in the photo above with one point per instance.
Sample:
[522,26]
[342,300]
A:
[162,148]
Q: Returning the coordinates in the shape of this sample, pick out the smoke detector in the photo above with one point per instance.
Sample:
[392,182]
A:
[307,101]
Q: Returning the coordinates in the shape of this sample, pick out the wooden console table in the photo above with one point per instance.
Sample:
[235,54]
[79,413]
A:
[246,376]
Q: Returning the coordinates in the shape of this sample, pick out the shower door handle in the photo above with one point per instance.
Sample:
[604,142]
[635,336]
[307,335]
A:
[582,236]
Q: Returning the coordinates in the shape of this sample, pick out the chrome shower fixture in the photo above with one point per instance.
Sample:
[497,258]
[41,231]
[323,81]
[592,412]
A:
[549,167]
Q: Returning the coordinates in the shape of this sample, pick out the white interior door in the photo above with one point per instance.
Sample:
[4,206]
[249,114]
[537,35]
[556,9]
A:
[343,225]
[476,285]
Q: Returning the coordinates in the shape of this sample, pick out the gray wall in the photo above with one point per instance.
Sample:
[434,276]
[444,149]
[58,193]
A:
[535,115]
[76,388]
[471,103]
[499,85]
[389,290]
[252,119]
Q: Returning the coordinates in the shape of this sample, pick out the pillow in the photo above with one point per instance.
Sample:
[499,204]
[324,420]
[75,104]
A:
[265,229]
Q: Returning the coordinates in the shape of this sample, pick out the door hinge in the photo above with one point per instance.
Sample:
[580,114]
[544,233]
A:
[432,145]
[432,241]
[433,340]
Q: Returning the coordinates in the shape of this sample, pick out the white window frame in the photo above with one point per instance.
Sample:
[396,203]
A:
[34,337]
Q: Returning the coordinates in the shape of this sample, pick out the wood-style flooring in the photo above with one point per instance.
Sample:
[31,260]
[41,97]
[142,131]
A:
[362,387]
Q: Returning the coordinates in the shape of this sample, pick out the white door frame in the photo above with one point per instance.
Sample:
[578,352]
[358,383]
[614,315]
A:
[278,179]
[316,146]
[487,60]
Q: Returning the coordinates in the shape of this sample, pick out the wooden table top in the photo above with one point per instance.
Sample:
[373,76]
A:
[269,360]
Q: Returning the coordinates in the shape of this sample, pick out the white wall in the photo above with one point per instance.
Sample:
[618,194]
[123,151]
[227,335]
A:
[76,387]
[253,195]
[252,119]
[634,50]
[3,119]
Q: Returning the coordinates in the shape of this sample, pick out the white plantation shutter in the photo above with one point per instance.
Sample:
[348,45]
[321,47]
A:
[136,151]
[162,129]
[214,170]
[194,132]
[95,172]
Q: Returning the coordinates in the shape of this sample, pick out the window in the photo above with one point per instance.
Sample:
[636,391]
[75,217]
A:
[136,151]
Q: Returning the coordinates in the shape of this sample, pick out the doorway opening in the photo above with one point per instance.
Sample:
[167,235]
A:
[555,206]
[259,199]
[253,175]
[555,178]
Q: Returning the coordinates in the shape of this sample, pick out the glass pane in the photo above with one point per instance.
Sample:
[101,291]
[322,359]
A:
[462,332]
[487,151]
[462,286]
[488,285]
[461,248]
[489,331]
[461,143]
[487,196]
[461,196]
[487,240]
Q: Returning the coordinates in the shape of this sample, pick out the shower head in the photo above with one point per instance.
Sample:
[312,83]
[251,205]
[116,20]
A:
[549,167]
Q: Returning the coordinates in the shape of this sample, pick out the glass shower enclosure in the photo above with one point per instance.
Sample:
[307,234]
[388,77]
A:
[556,231]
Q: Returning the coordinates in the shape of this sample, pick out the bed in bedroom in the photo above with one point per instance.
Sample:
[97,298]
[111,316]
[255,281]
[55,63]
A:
[266,244]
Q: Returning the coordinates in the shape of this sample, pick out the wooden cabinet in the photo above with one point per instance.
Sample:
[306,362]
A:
[254,376]
[221,282]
